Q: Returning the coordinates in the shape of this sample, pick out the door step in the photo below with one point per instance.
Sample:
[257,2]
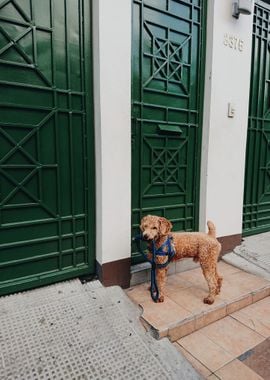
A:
[183,310]
[141,273]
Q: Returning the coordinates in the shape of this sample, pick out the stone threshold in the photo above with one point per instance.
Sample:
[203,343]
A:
[141,273]
[183,310]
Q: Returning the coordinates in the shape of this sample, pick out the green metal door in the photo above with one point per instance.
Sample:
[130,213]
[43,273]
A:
[46,142]
[167,92]
[256,213]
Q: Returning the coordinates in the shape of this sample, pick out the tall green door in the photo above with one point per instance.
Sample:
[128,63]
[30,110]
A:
[46,142]
[257,176]
[167,94]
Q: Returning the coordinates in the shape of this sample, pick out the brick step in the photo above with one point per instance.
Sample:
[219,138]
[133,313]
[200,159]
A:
[183,310]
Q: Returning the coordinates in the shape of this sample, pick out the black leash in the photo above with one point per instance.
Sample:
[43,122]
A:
[155,252]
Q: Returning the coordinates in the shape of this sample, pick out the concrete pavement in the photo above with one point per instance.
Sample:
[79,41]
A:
[253,255]
[74,331]
[229,340]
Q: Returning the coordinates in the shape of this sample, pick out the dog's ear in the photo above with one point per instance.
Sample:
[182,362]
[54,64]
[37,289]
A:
[165,225]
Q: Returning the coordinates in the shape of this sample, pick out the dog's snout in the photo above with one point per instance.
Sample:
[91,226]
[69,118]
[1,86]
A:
[145,236]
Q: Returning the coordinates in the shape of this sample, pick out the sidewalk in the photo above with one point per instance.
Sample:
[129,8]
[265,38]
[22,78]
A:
[253,255]
[71,331]
[231,338]
[85,331]
[236,347]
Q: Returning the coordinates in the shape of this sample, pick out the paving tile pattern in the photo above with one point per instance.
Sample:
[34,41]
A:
[74,331]
[235,347]
[229,340]
[258,359]
[184,312]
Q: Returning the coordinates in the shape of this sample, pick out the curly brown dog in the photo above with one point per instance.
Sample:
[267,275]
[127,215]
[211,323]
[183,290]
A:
[201,246]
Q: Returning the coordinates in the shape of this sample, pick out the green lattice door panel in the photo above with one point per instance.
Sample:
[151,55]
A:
[167,82]
[257,176]
[46,155]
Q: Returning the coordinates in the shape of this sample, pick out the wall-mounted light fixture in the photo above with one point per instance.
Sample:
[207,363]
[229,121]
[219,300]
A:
[243,7]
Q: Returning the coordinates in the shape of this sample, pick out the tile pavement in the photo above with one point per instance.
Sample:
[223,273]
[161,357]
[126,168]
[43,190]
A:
[184,312]
[235,347]
[228,340]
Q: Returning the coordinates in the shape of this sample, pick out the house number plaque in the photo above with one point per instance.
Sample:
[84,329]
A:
[233,42]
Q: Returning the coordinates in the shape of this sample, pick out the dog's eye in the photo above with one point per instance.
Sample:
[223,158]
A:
[154,228]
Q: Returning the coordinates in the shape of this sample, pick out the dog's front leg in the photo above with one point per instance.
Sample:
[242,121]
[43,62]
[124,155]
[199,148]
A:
[161,276]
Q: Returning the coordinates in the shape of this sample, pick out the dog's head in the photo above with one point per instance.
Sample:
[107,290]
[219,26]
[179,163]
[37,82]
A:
[154,227]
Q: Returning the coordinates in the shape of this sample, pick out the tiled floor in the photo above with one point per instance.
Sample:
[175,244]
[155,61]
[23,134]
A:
[184,312]
[258,359]
[227,340]
[235,347]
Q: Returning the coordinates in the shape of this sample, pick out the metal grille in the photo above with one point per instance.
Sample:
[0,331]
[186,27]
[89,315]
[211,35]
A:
[257,176]
[44,125]
[168,48]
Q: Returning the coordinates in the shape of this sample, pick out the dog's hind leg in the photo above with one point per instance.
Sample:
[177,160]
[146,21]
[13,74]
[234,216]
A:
[219,281]
[209,274]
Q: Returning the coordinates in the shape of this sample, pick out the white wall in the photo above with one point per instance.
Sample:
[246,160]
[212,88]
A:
[227,80]
[112,99]
[224,139]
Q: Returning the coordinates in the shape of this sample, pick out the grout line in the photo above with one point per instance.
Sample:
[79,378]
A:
[230,360]
[213,341]
[243,324]
[194,357]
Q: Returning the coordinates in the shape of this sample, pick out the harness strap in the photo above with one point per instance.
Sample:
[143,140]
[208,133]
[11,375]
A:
[170,252]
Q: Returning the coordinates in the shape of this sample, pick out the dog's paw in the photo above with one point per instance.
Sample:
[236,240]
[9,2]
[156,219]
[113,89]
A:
[209,300]
[161,299]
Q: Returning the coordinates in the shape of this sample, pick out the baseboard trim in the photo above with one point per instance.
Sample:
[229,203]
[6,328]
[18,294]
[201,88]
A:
[115,273]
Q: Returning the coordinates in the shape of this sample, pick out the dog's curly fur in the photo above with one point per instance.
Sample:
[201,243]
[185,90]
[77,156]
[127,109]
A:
[200,246]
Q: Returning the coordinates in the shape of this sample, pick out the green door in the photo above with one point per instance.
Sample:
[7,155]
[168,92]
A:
[167,94]
[46,142]
[256,213]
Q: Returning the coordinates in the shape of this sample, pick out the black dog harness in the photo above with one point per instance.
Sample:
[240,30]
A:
[166,249]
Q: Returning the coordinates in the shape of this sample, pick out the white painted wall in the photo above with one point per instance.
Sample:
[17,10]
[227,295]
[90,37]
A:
[112,100]
[227,79]
[224,139]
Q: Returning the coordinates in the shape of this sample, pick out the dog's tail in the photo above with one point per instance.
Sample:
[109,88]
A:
[211,229]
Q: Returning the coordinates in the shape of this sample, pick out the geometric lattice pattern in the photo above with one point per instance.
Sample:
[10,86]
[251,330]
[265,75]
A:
[257,176]
[44,127]
[166,129]
[21,171]
[167,60]
[165,168]
[20,37]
